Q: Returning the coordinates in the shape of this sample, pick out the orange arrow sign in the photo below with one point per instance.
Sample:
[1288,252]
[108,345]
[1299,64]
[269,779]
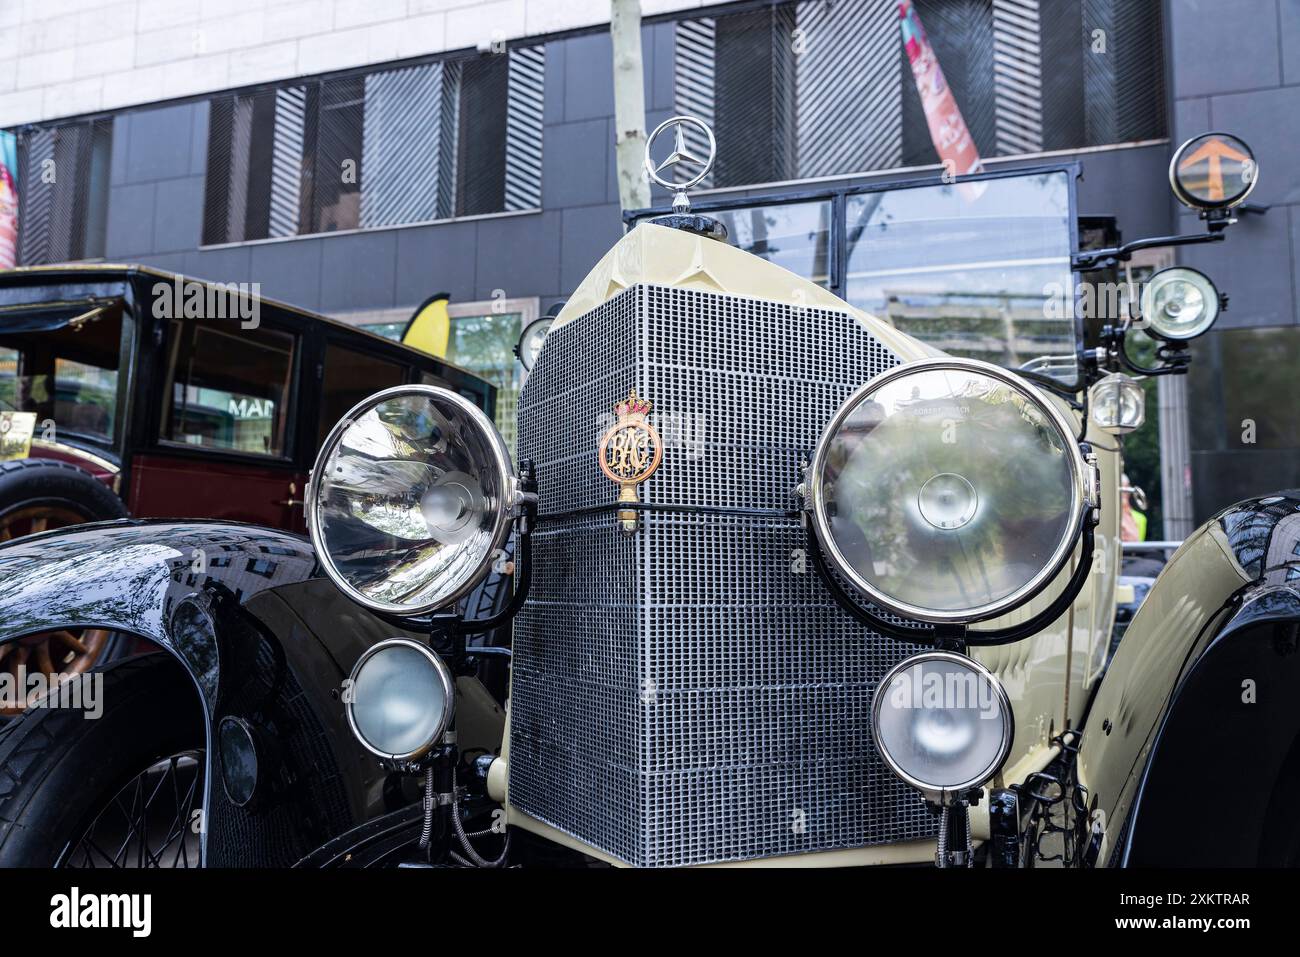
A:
[1214,152]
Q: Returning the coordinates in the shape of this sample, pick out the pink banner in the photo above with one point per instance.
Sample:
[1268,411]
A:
[8,200]
[952,140]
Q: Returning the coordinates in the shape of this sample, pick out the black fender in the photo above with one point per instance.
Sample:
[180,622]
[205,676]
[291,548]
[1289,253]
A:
[1219,787]
[1192,743]
[262,636]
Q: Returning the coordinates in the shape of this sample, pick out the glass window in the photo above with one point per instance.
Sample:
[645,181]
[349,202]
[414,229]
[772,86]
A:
[389,330]
[64,368]
[228,388]
[351,376]
[794,236]
[456,137]
[843,100]
[484,344]
[978,269]
[1243,391]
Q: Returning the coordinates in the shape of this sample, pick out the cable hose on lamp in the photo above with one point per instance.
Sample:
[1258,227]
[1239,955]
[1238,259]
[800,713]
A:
[464,838]
[941,857]
[426,832]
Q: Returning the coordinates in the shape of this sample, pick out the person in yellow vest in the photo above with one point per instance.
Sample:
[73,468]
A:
[1133,522]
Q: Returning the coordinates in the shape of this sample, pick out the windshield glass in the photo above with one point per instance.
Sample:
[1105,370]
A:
[63,366]
[795,236]
[978,268]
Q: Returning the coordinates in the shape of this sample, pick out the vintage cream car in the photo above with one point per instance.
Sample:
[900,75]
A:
[770,580]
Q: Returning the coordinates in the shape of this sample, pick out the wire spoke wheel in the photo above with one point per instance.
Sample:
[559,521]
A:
[64,652]
[150,822]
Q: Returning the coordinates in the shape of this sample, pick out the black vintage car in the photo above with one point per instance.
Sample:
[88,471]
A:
[128,391]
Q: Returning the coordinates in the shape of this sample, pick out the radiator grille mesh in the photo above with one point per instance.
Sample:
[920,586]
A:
[686,695]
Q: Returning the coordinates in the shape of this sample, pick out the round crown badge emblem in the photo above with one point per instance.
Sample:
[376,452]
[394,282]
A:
[630,451]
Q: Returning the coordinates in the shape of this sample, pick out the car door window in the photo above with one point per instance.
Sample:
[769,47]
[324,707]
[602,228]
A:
[62,363]
[228,389]
[351,376]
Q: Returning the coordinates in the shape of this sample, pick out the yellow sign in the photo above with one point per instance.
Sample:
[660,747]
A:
[430,327]
[16,431]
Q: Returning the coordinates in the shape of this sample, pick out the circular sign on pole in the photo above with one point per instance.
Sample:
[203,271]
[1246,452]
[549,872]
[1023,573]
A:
[1213,171]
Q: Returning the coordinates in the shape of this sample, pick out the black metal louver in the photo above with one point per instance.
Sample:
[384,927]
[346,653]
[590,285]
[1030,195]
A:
[1064,91]
[338,173]
[63,174]
[254,179]
[481,159]
[824,87]
[1126,80]
[753,85]
[447,138]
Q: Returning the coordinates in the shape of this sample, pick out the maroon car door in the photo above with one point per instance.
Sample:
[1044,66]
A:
[224,442]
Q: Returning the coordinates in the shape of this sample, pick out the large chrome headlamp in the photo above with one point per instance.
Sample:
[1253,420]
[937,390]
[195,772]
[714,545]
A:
[948,491]
[943,723]
[400,700]
[412,494]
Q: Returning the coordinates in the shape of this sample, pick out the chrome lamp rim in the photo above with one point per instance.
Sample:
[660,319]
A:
[1078,495]
[503,511]
[999,691]
[449,699]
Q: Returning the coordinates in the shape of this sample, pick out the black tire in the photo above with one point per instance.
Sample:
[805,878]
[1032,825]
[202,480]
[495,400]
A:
[58,769]
[46,482]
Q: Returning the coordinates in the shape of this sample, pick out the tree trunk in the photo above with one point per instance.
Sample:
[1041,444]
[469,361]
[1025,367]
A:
[629,104]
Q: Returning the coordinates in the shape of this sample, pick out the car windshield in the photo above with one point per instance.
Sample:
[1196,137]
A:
[60,361]
[978,268]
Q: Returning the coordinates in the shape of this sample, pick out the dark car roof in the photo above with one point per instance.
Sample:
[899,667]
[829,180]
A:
[99,272]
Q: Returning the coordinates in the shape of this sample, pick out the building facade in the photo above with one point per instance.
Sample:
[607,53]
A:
[357,157]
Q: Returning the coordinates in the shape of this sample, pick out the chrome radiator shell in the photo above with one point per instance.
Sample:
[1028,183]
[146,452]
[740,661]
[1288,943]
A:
[691,693]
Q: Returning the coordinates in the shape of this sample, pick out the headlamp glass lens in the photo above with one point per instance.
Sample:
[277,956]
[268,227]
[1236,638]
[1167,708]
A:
[1180,303]
[1117,403]
[399,700]
[942,723]
[947,491]
[532,340]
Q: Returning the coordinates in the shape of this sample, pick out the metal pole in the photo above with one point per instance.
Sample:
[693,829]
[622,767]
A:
[1175,458]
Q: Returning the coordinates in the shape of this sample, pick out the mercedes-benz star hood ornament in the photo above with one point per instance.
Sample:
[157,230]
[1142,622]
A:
[680,159]
[681,170]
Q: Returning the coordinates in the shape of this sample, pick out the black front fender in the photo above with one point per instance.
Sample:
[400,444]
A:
[1193,733]
[1220,782]
[262,637]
